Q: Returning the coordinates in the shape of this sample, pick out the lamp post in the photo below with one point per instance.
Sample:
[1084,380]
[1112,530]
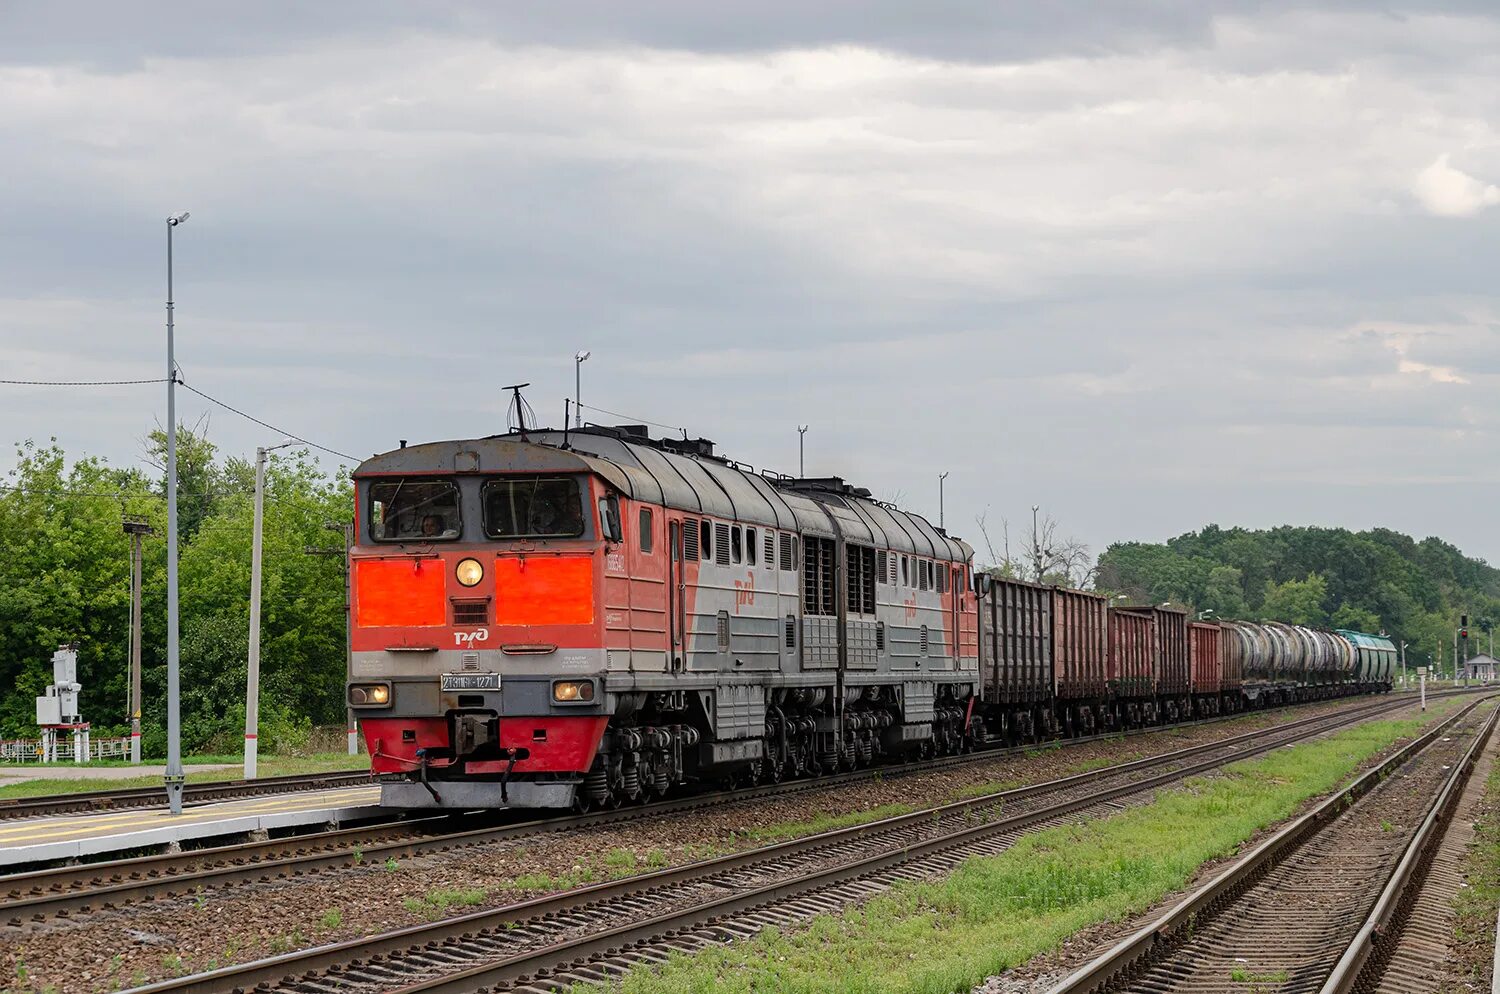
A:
[578,361]
[1403,665]
[173,778]
[802,450]
[941,478]
[252,674]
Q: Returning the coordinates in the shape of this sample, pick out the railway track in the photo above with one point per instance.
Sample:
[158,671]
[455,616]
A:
[86,802]
[1307,908]
[71,890]
[593,932]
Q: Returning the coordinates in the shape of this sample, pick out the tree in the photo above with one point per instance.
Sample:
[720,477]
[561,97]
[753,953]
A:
[1356,619]
[1296,602]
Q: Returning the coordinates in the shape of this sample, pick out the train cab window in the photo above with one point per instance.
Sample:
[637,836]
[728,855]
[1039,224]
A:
[406,510]
[645,535]
[532,507]
[706,545]
[905,571]
[750,546]
[736,545]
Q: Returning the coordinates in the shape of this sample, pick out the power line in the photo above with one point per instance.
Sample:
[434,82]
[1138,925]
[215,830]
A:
[629,417]
[80,383]
[264,424]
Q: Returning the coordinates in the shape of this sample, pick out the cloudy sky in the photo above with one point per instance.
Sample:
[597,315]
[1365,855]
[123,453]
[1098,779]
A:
[1148,266]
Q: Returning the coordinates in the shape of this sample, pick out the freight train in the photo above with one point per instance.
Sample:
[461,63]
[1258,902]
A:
[586,617]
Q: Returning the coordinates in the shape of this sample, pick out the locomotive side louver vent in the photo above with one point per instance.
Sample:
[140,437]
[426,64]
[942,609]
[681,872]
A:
[471,612]
[881,569]
[895,559]
[923,645]
[786,552]
[791,631]
[723,627]
[942,579]
[690,539]
[770,556]
[721,543]
[880,635]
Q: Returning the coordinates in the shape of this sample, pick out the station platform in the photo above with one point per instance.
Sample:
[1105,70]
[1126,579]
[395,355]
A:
[35,840]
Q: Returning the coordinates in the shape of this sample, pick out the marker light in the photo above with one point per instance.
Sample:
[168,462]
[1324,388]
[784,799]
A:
[370,695]
[469,572]
[573,691]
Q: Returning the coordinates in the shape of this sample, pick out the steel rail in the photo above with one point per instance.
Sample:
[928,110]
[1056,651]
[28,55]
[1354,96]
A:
[67,890]
[1368,950]
[90,801]
[339,958]
[215,790]
[1137,950]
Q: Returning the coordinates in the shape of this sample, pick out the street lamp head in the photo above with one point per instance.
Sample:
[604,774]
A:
[582,355]
[175,221]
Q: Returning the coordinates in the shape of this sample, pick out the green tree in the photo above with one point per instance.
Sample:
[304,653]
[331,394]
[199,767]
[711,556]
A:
[1297,602]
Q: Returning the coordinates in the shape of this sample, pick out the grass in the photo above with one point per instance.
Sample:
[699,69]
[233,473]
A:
[1474,905]
[984,789]
[824,822]
[998,912]
[269,766]
[436,903]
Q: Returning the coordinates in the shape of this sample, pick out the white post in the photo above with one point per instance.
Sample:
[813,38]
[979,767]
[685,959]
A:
[1422,682]
[252,677]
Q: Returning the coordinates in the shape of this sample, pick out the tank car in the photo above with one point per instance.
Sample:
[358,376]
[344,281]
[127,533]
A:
[570,618]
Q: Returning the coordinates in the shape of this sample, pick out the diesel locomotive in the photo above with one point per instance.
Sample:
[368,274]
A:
[594,616]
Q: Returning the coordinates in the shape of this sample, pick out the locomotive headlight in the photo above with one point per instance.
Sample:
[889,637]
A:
[573,691]
[369,695]
[469,572]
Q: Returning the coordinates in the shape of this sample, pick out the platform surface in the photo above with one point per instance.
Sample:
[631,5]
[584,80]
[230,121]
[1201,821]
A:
[29,840]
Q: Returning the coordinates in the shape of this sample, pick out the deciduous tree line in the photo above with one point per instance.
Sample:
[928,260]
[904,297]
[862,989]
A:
[1372,581]
[65,576]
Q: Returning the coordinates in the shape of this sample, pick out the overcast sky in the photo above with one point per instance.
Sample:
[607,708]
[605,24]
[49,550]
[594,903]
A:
[1147,265]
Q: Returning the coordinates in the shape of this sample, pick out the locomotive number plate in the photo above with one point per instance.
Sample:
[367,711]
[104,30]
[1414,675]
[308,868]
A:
[471,681]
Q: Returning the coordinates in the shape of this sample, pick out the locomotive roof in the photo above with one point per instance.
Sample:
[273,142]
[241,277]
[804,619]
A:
[683,476]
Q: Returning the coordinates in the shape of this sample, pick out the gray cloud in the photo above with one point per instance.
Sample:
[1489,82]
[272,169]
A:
[1147,269]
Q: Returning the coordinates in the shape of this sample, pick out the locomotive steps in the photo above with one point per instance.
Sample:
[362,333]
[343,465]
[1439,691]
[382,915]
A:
[726,897]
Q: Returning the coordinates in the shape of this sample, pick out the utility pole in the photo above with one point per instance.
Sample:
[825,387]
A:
[173,777]
[802,451]
[1036,545]
[941,478]
[137,527]
[1403,665]
[578,360]
[347,528]
[252,672]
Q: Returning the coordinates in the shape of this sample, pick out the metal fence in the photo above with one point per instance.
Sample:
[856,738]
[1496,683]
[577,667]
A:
[30,750]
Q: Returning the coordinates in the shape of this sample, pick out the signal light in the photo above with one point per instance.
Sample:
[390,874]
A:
[1463,633]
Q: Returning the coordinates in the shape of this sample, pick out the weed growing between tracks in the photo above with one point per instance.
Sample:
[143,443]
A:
[1474,904]
[998,912]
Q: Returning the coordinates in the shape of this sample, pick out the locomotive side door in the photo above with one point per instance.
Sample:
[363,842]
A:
[676,608]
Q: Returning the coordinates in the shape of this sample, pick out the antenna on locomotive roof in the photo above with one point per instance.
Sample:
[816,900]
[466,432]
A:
[515,417]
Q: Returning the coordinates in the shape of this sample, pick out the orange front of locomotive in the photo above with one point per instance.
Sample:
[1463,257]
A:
[477,632]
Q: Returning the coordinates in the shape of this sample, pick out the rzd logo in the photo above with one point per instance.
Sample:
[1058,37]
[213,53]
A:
[470,639]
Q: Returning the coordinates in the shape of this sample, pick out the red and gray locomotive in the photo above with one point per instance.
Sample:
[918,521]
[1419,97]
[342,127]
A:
[593,616]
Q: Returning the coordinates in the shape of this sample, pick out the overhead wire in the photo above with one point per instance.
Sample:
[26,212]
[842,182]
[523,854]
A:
[80,383]
[630,417]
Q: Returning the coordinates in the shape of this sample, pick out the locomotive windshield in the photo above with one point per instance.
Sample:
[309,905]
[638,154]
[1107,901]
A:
[405,510]
[533,507]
